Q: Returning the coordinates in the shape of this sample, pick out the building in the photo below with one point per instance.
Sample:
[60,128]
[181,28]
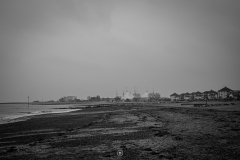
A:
[234,94]
[68,99]
[135,96]
[127,95]
[95,99]
[224,92]
[144,97]
[187,96]
[105,99]
[198,96]
[174,97]
[192,96]
[181,96]
[212,94]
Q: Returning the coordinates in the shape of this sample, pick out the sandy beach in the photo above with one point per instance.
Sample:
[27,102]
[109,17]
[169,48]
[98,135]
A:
[140,132]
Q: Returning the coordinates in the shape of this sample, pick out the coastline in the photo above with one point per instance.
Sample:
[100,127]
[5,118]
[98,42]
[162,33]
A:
[24,117]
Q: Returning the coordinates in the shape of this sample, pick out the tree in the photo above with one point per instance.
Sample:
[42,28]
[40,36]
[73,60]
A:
[108,99]
[127,100]
[154,96]
[157,96]
[78,100]
[136,97]
[151,96]
[117,99]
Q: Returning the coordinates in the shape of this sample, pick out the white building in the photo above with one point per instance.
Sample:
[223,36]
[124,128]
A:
[127,95]
[130,96]
[145,95]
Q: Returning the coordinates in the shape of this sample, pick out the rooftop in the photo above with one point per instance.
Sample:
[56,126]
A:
[225,89]
[174,94]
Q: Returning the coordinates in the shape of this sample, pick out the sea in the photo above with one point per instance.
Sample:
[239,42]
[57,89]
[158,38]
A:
[16,112]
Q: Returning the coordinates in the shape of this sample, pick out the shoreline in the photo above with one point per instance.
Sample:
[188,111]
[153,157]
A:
[24,117]
[77,107]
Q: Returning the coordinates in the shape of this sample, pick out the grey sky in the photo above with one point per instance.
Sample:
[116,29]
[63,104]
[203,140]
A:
[54,48]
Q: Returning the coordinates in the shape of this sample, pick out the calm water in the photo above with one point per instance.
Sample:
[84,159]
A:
[9,112]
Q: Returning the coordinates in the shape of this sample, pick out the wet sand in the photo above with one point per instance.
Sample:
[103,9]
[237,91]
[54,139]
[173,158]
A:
[141,132]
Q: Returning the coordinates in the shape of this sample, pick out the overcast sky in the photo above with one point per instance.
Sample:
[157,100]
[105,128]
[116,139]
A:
[54,48]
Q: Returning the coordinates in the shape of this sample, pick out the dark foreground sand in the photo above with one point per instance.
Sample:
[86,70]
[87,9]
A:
[141,132]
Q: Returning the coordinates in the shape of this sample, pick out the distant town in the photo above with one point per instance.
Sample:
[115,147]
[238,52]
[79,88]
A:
[222,94]
[127,96]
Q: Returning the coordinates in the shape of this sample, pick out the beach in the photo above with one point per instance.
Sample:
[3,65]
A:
[138,131]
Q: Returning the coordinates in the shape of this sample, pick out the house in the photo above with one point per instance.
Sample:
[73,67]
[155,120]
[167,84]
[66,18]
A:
[212,94]
[192,95]
[205,94]
[187,96]
[234,94]
[221,94]
[198,95]
[181,96]
[224,92]
[174,97]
